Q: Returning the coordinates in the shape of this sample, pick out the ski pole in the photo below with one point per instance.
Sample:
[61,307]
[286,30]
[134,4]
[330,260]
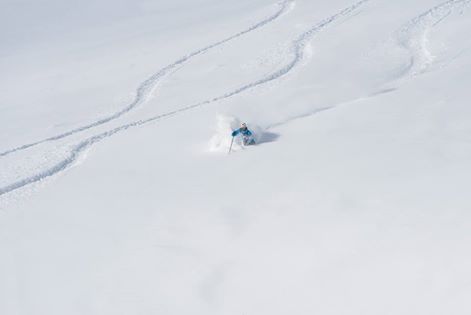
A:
[230,148]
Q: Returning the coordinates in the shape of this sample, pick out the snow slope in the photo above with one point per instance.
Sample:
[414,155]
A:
[117,195]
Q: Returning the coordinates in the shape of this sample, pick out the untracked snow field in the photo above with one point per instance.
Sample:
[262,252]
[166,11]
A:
[118,195]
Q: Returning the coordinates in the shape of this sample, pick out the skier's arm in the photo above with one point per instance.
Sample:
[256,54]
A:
[235,132]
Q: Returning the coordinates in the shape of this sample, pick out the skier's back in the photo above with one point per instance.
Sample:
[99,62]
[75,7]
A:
[247,136]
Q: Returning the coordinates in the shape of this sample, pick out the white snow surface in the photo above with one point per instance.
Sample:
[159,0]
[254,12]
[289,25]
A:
[118,195]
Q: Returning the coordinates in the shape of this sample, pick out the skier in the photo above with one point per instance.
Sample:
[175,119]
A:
[247,137]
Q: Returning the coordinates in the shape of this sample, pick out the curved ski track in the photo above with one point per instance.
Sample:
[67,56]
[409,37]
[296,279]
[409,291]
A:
[297,49]
[413,35]
[422,22]
[146,88]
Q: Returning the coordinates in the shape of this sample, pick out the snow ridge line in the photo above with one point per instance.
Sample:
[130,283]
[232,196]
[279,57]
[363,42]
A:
[413,36]
[146,88]
[298,47]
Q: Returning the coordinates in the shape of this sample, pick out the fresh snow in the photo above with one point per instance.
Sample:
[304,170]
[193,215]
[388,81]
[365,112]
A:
[118,195]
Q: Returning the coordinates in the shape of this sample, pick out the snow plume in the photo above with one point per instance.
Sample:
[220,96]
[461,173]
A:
[221,141]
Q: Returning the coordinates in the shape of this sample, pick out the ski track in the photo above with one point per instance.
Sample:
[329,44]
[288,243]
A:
[147,87]
[421,23]
[414,35]
[297,49]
